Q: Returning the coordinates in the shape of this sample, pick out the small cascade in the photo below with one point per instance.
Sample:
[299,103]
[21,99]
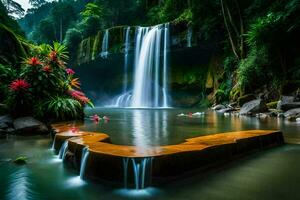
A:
[63,150]
[53,145]
[141,169]
[189,36]
[123,100]
[126,50]
[104,52]
[84,158]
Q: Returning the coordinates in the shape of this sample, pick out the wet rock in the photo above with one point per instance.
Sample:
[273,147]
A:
[289,106]
[246,98]
[29,126]
[287,103]
[226,110]
[233,105]
[262,115]
[219,107]
[20,160]
[6,120]
[253,107]
[293,113]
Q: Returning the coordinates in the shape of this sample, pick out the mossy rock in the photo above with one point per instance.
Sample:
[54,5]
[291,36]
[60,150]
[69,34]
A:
[272,105]
[22,160]
[245,98]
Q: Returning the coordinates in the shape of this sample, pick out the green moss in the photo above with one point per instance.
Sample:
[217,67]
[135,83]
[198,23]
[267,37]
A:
[22,160]
[272,105]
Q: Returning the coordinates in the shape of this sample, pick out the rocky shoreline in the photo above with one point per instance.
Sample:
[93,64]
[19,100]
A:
[287,107]
[22,126]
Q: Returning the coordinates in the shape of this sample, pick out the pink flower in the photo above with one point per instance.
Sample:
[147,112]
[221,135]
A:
[74,129]
[95,118]
[47,69]
[106,119]
[80,96]
[19,85]
[70,71]
[33,61]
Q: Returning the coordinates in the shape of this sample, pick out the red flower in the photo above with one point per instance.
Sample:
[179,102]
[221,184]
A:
[80,96]
[53,56]
[33,61]
[47,69]
[19,85]
[95,118]
[70,71]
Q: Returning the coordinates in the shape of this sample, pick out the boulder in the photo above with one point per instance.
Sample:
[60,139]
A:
[6,120]
[288,106]
[253,107]
[29,126]
[245,98]
[218,107]
[293,113]
[287,103]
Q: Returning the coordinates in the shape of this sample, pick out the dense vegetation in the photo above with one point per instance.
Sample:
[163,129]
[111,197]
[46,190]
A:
[258,38]
[34,78]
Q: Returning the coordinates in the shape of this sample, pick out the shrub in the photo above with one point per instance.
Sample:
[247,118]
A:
[60,108]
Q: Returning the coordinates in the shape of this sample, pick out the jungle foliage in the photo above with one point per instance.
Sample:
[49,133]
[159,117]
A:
[259,39]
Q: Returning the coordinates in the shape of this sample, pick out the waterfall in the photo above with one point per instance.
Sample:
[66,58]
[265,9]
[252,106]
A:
[141,169]
[104,52]
[53,144]
[189,37]
[150,79]
[148,88]
[126,50]
[84,158]
[63,150]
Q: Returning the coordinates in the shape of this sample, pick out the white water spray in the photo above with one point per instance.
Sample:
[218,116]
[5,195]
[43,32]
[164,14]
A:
[142,171]
[84,158]
[63,150]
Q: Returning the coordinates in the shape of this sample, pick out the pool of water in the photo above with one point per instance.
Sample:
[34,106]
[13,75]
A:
[270,174]
[151,127]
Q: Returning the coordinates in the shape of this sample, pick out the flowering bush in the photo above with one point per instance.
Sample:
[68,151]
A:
[45,78]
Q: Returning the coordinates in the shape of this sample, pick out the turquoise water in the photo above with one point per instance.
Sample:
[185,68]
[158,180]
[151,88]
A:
[271,174]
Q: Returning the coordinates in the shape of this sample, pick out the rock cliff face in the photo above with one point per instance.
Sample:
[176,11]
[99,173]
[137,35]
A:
[193,70]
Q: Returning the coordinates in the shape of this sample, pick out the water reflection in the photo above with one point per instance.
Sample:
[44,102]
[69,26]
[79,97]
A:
[19,185]
[152,127]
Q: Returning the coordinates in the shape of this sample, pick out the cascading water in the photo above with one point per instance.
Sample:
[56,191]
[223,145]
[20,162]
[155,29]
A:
[104,52]
[63,150]
[141,169]
[126,50]
[150,81]
[53,145]
[147,90]
[84,158]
